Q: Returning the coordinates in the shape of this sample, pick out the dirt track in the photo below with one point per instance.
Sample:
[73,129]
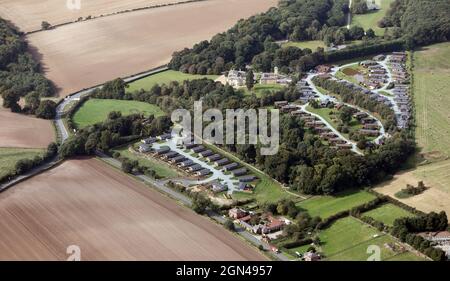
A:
[109,216]
[18,130]
[85,54]
[28,14]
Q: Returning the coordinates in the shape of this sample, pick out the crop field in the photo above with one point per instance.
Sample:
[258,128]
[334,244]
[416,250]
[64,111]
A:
[10,156]
[164,77]
[28,14]
[431,84]
[436,198]
[96,110]
[18,130]
[325,206]
[109,216]
[388,213]
[349,239]
[162,169]
[125,44]
[371,19]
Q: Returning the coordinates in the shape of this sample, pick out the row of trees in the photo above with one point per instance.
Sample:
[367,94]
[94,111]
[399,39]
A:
[406,230]
[25,165]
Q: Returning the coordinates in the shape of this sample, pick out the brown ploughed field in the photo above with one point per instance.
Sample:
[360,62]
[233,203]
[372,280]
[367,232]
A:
[85,54]
[18,130]
[28,14]
[109,216]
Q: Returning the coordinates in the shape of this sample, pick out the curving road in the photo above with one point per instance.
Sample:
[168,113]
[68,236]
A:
[60,110]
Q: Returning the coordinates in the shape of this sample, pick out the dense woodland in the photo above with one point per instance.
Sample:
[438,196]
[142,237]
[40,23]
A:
[20,75]
[421,21]
[254,40]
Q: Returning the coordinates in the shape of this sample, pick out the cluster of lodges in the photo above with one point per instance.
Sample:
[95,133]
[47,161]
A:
[377,74]
[265,223]
[315,124]
[307,93]
[370,128]
[397,63]
[237,78]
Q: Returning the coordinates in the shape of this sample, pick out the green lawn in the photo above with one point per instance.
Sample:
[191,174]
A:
[96,110]
[10,156]
[349,239]
[259,89]
[371,19]
[162,169]
[325,206]
[164,77]
[388,213]
[313,44]
[431,84]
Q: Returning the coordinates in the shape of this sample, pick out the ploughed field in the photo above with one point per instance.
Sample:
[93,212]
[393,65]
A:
[84,54]
[28,14]
[18,130]
[109,216]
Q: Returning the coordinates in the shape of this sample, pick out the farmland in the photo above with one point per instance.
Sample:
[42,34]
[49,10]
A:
[109,216]
[325,206]
[125,44]
[431,84]
[96,110]
[348,240]
[18,130]
[10,156]
[29,14]
[388,213]
[371,19]
[164,77]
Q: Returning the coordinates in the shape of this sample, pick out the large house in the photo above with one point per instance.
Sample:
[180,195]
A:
[236,78]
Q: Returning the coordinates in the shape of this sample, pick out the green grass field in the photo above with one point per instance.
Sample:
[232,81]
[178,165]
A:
[349,239]
[431,84]
[325,206]
[162,169]
[10,156]
[164,77]
[313,44]
[371,19]
[96,110]
[259,89]
[388,213]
